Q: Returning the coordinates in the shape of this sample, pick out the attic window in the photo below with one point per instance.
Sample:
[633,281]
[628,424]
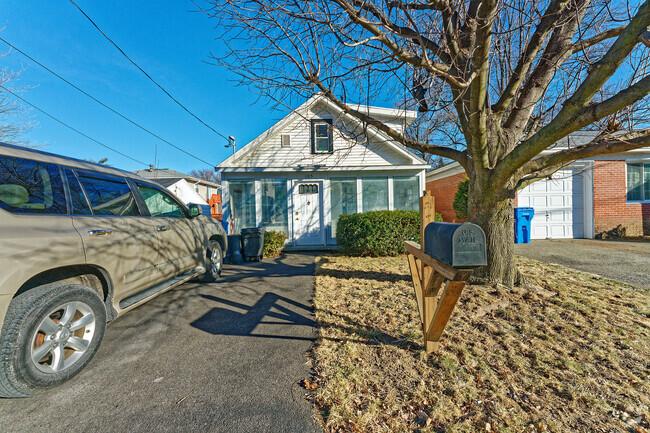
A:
[286,140]
[321,136]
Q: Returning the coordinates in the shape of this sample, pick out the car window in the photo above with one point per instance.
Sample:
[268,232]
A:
[28,186]
[77,198]
[108,195]
[161,204]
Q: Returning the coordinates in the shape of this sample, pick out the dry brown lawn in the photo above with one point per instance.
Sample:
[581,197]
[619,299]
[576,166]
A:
[569,353]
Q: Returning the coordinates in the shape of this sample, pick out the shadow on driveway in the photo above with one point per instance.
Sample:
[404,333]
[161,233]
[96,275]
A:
[222,357]
[226,321]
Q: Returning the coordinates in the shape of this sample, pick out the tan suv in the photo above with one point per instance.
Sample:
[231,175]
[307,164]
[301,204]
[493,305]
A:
[80,244]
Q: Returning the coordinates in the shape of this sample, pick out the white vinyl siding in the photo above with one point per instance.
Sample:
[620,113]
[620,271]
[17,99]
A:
[271,153]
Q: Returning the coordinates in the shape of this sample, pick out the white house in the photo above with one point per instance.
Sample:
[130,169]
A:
[204,189]
[316,164]
[183,190]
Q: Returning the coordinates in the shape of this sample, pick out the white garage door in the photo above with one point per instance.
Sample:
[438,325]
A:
[558,204]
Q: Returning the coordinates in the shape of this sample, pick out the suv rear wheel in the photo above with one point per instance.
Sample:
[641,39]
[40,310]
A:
[50,334]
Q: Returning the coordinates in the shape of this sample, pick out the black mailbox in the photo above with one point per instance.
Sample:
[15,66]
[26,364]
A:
[458,245]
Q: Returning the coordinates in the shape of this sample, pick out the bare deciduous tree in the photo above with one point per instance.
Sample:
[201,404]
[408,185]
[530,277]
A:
[497,82]
[205,174]
[14,118]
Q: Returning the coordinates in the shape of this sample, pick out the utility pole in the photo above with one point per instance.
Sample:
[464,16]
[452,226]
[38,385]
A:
[231,143]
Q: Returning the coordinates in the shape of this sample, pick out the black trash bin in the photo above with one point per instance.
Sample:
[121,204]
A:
[234,255]
[253,242]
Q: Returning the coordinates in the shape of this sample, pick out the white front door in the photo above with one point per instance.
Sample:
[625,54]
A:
[558,204]
[307,222]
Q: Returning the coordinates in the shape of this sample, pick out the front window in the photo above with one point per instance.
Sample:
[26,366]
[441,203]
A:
[343,195]
[28,186]
[638,182]
[406,193]
[161,204]
[321,136]
[375,193]
[242,205]
[274,205]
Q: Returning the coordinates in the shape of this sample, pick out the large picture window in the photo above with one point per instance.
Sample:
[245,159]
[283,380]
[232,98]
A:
[274,205]
[242,205]
[638,182]
[406,193]
[343,196]
[375,193]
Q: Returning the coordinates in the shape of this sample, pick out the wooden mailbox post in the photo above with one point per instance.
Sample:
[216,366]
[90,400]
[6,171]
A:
[429,275]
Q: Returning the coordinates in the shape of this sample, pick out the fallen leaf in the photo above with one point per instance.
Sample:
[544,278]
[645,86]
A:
[308,385]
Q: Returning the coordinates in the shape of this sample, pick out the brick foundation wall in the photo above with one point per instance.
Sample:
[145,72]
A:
[444,190]
[610,203]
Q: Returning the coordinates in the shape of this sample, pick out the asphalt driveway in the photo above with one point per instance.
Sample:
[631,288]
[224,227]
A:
[628,262]
[222,357]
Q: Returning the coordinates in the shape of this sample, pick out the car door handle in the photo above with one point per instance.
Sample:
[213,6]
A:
[100,232]
[162,228]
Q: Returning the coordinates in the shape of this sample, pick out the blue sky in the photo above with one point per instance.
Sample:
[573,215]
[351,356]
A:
[168,41]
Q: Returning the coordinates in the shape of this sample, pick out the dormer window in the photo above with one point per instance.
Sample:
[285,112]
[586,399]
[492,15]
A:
[321,136]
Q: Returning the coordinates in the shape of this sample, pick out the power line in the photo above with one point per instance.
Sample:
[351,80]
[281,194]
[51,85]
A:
[104,105]
[70,127]
[147,75]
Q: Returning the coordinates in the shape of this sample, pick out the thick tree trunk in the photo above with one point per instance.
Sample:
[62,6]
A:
[495,215]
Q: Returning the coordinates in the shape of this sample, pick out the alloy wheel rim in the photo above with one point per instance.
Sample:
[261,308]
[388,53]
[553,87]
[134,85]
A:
[215,261]
[62,337]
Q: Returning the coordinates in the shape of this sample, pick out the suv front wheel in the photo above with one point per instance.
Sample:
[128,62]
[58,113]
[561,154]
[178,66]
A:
[50,334]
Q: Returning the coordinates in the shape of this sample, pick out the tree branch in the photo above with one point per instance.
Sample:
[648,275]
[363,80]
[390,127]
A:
[445,152]
[601,146]
[478,90]
[583,45]
[436,68]
[575,111]
[438,5]
[527,59]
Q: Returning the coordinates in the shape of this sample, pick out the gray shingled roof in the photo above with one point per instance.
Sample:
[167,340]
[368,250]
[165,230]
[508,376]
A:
[167,173]
[168,181]
[577,138]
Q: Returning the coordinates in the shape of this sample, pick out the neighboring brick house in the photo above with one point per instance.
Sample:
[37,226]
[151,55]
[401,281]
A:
[591,196]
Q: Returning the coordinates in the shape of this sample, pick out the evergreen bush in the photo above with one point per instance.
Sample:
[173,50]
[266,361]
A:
[378,233]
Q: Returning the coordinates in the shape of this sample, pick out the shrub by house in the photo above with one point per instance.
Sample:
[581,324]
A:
[378,233]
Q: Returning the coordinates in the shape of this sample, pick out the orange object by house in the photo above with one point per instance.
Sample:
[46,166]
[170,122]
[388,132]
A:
[215,206]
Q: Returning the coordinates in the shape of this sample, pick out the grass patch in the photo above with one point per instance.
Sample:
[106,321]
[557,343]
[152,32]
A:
[571,352]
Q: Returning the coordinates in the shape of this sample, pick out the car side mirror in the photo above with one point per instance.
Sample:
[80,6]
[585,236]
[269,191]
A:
[195,210]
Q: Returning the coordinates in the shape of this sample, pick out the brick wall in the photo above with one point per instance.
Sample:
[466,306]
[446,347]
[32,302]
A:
[444,190]
[610,204]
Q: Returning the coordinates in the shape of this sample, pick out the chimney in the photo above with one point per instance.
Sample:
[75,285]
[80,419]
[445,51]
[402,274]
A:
[151,168]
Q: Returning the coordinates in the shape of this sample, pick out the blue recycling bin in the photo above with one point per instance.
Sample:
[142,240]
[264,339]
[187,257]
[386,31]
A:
[523,220]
